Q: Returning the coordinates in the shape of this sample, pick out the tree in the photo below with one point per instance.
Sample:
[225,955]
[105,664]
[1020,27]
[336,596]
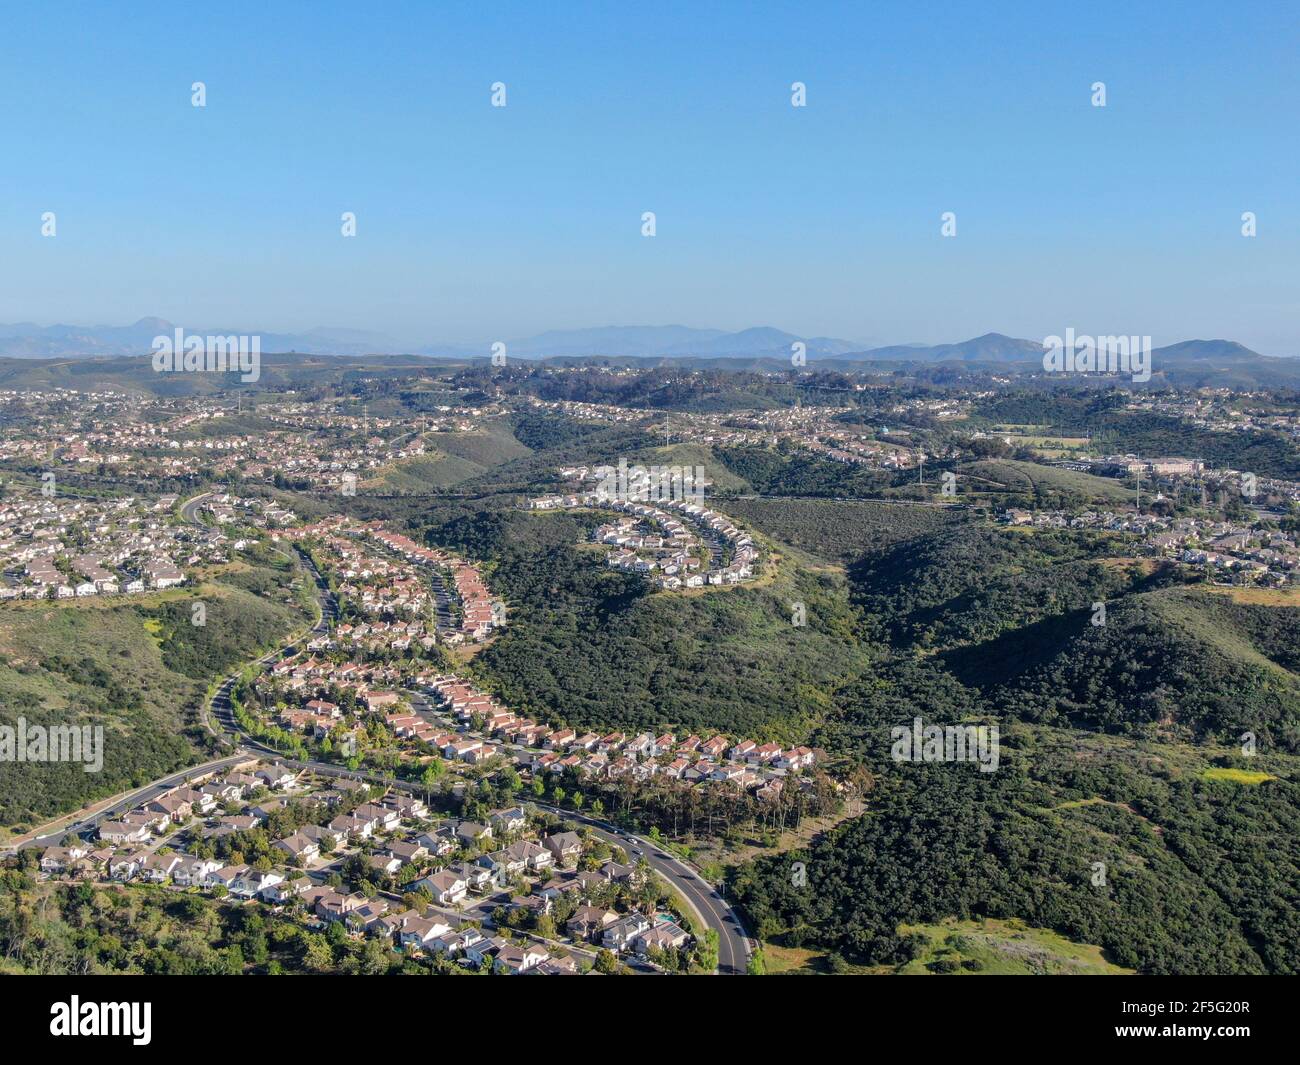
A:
[375,958]
[707,951]
[317,955]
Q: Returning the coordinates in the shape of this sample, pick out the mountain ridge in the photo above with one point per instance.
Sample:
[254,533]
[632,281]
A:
[26,340]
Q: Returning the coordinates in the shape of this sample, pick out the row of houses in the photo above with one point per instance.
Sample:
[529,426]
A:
[487,727]
[135,549]
[669,558]
[480,612]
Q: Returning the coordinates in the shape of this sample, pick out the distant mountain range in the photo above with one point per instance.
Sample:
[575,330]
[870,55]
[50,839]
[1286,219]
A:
[25,340]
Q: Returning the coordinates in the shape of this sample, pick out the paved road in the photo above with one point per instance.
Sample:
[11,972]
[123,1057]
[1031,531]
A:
[220,706]
[711,908]
[190,509]
[87,825]
[733,944]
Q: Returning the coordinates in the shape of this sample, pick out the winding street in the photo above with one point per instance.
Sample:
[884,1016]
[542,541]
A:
[708,907]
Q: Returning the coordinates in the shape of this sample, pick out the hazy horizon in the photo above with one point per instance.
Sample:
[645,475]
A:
[476,222]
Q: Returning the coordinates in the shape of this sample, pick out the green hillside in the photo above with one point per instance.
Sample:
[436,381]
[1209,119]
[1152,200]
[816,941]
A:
[453,458]
[719,476]
[1175,663]
[999,948]
[840,531]
[597,648]
[1113,845]
[137,668]
[1041,486]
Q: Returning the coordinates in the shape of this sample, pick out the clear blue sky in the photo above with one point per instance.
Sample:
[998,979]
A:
[476,222]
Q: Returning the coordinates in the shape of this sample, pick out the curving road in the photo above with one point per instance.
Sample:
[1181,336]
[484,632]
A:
[710,908]
[128,800]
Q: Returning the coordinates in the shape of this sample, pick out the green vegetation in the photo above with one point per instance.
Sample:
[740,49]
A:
[999,948]
[84,928]
[593,647]
[1143,432]
[1193,877]
[783,472]
[840,531]
[1235,776]
[719,476]
[453,458]
[541,432]
[430,471]
[137,668]
[986,624]
[1174,663]
[970,582]
[1014,483]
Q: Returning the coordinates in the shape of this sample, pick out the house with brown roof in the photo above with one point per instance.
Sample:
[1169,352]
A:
[589,922]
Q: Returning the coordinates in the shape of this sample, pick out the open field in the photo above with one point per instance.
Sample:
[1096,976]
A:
[1009,475]
[1001,948]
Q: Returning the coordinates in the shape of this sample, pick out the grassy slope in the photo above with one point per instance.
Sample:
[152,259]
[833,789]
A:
[1015,476]
[454,458]
[837,532]
[1003,948]
[721,479]
[138,668]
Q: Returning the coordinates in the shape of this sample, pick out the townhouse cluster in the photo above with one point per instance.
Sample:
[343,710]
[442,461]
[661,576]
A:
[62,547]
[467,873]
[689,546]
[1232,551]
[485,729]
[852,451]
[315,444]
[479,611]
[323,698]
[225,508]
[128,839]
[474,871]
[383,574]
[761,769]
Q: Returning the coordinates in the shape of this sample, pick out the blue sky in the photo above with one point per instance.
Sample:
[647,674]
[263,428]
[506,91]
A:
[477,222]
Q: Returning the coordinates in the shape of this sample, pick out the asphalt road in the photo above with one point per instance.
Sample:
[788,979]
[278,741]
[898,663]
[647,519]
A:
[87,825]
[703,897]
[713,910]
